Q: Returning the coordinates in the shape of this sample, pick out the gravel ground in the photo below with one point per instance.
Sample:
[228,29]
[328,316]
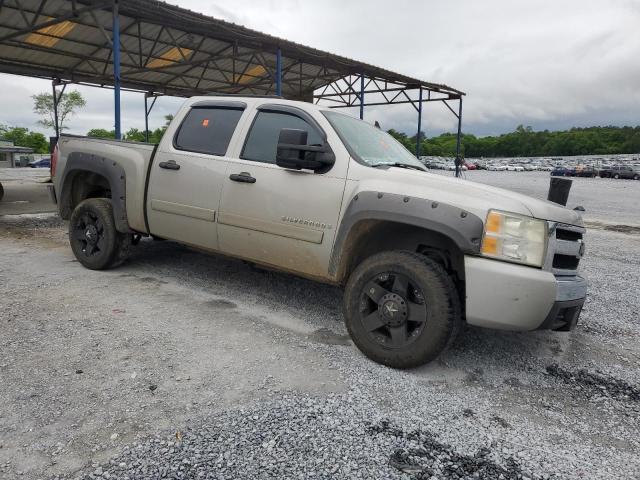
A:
[184,365]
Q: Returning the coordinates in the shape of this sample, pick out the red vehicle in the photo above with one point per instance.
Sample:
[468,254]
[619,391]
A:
[470,166]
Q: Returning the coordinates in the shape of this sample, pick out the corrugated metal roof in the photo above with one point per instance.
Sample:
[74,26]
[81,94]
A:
[168,49]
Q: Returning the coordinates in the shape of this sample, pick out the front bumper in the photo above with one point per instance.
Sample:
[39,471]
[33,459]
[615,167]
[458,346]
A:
[508,296]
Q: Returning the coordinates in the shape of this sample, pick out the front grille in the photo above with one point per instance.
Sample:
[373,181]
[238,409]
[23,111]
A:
[570,235]
[565,249]
[566,262]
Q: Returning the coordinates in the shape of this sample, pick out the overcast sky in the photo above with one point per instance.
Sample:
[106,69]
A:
[545,63]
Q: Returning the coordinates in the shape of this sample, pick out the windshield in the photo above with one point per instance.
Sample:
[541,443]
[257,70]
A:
[369,144]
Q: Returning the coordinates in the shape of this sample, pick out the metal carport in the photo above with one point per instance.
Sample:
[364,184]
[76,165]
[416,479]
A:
[160,49]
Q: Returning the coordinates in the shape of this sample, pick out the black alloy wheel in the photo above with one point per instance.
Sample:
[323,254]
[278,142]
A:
[93,236]
[393,310]
[401,308]
[89,234]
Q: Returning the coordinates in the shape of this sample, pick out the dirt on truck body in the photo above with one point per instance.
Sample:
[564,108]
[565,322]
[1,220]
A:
[300,188]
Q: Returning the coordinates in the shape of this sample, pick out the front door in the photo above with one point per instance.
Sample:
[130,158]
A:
[187,175]
[277,216]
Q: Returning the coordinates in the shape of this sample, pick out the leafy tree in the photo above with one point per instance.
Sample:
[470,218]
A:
[524,141]
[69,103]
[134,135]
[101,133]
[22,137]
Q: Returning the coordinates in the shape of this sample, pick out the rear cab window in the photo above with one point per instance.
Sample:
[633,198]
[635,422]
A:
[261,144]
[207,129]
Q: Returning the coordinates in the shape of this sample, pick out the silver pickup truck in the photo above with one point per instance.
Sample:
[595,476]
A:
[304,189]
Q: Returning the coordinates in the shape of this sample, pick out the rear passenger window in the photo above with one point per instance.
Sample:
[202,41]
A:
[207,130]
[262,142]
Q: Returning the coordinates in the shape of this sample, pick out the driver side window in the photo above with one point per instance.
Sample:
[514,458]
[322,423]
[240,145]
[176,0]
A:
[262,141]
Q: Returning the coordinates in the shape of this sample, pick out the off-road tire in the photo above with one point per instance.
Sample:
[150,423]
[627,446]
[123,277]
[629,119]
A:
[114,246]
[443,308]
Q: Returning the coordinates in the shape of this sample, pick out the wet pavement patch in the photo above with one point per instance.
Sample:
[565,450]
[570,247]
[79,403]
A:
[220,304]
[326,336]
[424,457]
[593,383]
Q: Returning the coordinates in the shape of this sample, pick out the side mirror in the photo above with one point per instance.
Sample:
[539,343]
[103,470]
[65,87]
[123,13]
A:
[294,153]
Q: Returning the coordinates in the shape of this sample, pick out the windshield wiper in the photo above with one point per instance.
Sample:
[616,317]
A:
[408,166]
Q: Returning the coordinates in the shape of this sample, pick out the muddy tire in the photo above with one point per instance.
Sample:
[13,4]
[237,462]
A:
[93,236]
[401,309]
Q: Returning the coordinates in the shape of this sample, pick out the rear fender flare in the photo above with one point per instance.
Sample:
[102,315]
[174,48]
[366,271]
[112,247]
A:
[77,163]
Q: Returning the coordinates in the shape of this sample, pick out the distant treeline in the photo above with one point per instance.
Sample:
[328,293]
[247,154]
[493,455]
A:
[524,142]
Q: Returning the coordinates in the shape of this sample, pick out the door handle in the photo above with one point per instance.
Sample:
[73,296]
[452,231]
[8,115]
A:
[243,177]
[170,165]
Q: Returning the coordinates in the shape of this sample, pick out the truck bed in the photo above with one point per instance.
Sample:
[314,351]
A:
[134,157]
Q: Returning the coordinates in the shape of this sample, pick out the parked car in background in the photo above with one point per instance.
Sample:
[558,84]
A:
[42,163]
[470,166]
[585,171]
[559,171]
[621,171]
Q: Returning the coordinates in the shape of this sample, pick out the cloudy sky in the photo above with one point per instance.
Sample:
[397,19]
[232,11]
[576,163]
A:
[545,63]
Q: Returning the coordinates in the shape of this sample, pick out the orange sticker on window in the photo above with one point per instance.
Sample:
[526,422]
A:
[205,122]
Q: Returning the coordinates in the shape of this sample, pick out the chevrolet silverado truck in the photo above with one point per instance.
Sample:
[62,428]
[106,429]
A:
[303,189]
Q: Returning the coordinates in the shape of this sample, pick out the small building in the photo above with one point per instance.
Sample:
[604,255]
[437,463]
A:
[13,156]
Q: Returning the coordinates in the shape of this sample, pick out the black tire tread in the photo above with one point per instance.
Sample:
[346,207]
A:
[443,286]
[122,241]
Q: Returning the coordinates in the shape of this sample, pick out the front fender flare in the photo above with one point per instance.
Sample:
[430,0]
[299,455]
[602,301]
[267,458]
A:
[462,227]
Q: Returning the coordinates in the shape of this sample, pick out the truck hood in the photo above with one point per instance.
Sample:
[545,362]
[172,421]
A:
[474,197]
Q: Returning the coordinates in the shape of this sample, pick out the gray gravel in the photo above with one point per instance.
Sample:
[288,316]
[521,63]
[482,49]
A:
[202,367]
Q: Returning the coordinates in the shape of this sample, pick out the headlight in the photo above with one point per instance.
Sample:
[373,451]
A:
[515,238]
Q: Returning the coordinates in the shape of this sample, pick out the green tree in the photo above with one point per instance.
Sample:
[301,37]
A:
[68,105]
[22,137]
[134,135]
[101,133]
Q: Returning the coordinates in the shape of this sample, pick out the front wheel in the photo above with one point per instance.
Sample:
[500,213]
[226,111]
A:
[93,236]
[401,309]
[616,176]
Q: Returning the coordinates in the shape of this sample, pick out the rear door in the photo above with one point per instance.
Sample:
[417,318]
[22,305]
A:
[188,171]
[276,216]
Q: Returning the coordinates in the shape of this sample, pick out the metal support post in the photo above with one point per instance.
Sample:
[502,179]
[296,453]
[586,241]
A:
[419,123]
[115,46]
[147,111]
[279,72]
[458,159]
[56,101]
[55,83]
[362,96]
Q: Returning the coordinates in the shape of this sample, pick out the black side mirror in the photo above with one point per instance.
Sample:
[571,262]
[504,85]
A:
[294,153]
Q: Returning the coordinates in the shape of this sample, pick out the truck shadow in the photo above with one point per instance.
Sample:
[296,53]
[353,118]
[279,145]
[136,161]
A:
[320,306]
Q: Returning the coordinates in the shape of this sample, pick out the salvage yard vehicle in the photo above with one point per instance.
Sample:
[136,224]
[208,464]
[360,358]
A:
[304,189]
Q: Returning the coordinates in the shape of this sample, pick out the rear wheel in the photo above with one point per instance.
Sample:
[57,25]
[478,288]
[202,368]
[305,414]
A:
[616,176]
[93,236]
[401,309]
